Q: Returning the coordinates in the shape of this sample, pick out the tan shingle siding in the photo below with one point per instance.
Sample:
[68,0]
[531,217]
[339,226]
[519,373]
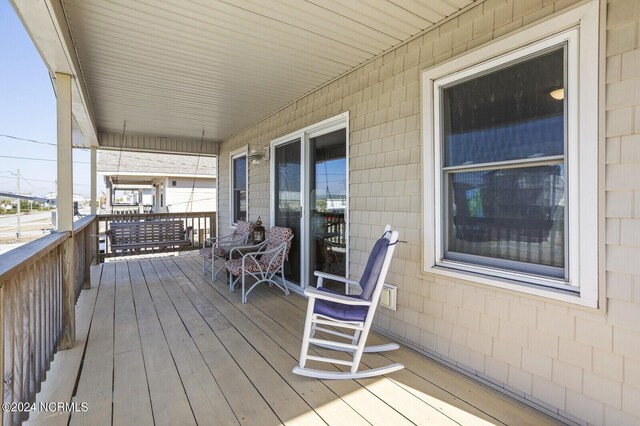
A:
[584,365]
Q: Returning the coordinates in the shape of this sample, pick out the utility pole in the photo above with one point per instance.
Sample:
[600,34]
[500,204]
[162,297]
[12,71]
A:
[18,192]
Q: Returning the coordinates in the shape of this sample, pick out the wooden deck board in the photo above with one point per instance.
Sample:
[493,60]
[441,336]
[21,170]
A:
[95,386]
[331,408]
[131,402]
[167,346]
[196,377]
[377,410]
[169,401]
[245,401]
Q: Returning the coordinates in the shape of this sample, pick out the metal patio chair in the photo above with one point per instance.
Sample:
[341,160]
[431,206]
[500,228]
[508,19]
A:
[263,262]
[220,247]
[327,308]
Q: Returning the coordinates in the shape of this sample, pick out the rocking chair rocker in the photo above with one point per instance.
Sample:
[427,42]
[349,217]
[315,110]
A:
[355,313]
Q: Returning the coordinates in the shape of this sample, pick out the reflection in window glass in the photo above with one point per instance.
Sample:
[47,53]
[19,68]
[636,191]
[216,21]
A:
[507,114]
[510,215]
[239,189]
[288,202]
[328,204]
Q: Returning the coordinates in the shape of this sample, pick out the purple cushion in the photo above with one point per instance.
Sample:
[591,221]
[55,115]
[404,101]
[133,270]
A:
[339,311]
[373,268]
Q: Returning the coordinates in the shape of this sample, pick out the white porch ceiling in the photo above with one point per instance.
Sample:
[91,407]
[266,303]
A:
[172,68]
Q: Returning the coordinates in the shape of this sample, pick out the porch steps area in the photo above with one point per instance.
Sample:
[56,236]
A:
[159,343]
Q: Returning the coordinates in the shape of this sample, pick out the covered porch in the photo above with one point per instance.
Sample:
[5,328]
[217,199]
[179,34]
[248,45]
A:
[159,342]
[493,329]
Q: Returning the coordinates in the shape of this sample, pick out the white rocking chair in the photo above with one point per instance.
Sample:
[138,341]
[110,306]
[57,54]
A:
[355,313]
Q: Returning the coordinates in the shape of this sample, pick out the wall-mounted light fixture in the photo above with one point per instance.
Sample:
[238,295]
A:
[258,154]
[557,93]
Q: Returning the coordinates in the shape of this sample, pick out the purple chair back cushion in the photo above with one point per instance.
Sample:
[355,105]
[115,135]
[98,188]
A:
[373,268]
[368,282]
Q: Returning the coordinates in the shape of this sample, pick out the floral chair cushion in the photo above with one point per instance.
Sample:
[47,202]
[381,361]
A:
[242,228]
[205,252]
[277,236]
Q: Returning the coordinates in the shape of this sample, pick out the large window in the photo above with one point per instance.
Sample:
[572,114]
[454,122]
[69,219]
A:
[510,159]
[503,136]
[239,186]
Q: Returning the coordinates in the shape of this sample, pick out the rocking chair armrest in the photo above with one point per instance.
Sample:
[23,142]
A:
[339,298]
[326,276]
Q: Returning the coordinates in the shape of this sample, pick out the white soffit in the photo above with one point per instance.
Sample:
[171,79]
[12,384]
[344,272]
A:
[172,68]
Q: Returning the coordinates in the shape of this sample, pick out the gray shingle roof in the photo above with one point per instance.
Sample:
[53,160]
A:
[150,162]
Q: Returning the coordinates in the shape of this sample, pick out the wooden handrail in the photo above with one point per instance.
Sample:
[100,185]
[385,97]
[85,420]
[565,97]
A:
[22,257]
[111,216]
[39,284]
[82,223]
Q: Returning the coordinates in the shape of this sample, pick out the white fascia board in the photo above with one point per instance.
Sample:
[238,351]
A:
[46,24]
[187,175]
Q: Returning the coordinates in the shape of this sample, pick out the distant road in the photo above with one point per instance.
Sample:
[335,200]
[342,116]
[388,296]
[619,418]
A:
[32,226]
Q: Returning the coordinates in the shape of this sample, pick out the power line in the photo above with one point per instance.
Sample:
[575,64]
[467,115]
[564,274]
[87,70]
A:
[38,159]
[40,180]
[85,148]
[28,140]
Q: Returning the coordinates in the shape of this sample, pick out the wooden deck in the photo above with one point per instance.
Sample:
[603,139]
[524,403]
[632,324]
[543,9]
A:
[165,346]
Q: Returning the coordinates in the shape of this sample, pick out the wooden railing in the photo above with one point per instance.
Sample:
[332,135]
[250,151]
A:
[202,225]
[37,298]
[85,232]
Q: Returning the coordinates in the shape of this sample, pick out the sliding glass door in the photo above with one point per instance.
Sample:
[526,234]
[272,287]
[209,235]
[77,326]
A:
[309,194]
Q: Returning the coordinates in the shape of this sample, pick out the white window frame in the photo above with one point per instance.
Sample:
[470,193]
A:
[235,154]
[580,28]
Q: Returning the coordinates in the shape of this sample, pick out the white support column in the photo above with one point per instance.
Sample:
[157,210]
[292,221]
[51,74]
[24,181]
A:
[65,153]
[65,208]
[94,181]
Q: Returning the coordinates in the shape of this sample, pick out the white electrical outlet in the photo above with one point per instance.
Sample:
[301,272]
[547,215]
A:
[388,297]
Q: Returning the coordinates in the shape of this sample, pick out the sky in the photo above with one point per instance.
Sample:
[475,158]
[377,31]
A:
[28,111]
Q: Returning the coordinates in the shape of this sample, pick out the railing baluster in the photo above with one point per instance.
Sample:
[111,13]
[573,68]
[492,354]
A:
[8,341]
[37,326]
[2,344]
[30,300]
[17,346]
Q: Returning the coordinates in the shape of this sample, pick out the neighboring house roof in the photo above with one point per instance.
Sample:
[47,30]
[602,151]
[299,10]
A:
[141,163]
